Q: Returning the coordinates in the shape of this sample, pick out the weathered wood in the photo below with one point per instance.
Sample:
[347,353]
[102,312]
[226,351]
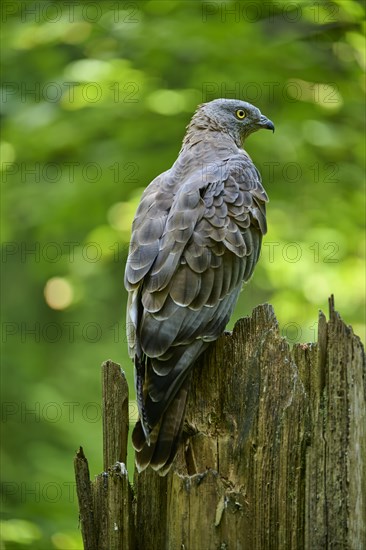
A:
[85,498]
[113,509]
[273,456]
[241,475]
[151,494]
[255,471]
[336,458]
[115,414]
[105,505]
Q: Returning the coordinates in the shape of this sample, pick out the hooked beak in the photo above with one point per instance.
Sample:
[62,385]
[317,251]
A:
[266,123]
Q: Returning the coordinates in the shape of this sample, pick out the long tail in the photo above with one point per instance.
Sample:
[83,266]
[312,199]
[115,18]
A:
[160,452]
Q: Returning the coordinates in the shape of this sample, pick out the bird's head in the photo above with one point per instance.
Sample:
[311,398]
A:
[238,118]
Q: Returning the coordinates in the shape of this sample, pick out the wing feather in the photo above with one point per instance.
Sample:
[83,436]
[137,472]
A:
[186,286]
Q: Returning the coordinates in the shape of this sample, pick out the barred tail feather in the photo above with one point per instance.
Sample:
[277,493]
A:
[160,452]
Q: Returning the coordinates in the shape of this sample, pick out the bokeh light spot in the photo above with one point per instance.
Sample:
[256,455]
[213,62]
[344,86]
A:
[166,102]
[7,154]
[58,293]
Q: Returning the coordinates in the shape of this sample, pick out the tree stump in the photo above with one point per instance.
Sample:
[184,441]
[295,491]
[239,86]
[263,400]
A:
[273,454]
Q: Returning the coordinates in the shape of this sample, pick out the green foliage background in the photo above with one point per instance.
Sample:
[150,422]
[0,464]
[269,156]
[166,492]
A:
[114,85]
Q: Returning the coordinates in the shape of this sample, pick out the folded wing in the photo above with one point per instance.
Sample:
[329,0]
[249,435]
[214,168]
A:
[196,237]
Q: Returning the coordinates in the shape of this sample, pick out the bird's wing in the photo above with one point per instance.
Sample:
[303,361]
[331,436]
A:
[194,241]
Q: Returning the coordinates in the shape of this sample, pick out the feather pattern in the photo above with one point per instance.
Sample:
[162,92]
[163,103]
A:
[196,238]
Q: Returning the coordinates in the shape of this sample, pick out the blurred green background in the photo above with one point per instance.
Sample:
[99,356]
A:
[96,97]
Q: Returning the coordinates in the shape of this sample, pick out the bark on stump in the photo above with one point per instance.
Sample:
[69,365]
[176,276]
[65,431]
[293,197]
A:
[273,454]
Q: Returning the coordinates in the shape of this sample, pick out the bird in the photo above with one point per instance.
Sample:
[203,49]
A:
[196,238]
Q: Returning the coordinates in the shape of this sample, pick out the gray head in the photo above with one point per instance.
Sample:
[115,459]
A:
[237,118]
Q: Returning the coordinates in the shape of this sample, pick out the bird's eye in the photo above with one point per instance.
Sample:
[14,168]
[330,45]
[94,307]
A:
[240,114]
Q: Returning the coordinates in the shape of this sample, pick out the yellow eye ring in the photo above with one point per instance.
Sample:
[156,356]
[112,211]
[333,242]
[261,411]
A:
[240,114]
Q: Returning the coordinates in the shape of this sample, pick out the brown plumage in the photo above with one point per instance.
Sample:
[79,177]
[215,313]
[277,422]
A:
[196,237]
